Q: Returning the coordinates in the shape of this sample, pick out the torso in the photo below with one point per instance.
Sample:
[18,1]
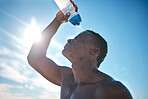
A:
[69,90]
[106,88]
[78,91]
[84,92]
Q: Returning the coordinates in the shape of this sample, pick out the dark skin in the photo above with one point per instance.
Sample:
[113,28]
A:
[83,80]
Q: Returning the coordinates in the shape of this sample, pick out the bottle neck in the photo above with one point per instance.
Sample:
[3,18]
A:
[72,15]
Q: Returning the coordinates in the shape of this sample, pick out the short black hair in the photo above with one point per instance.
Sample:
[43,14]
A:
[101,44]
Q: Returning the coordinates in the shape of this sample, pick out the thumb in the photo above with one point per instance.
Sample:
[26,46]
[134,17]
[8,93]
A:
[67,15]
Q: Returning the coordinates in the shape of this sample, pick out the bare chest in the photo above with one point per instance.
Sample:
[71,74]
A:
[78,92]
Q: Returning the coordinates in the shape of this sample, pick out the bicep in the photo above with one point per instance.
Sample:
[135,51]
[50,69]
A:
[51,71]
[47,68]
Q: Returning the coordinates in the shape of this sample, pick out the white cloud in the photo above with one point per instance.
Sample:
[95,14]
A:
[18,42]
[13,63]
[12,54]
[12,74]
[11,69]
[13,17]
[15,38]
[56,45]
[29,87]
[6,87]
[43,83]
[50,90]
[6,94]
[46,95]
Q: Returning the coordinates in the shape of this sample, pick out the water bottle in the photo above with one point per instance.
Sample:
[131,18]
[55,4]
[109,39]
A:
[66,6]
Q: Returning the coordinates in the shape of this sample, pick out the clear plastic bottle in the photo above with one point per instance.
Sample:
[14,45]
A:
[66,6]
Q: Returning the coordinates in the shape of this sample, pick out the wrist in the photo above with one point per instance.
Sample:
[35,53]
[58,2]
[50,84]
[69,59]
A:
[57,20]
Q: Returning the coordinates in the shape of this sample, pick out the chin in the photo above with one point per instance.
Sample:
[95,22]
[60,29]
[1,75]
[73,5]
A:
[63,52]
[66,54]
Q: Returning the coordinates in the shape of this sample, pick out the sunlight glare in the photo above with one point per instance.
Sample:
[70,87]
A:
[32,33]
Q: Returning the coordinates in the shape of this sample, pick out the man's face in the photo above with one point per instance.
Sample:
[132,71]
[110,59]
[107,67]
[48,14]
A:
[78,48]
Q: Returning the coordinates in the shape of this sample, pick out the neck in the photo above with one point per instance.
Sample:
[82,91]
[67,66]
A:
[85,71]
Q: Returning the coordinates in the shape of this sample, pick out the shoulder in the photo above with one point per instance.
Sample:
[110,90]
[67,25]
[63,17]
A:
[113,90]
[113,84]
[66,73]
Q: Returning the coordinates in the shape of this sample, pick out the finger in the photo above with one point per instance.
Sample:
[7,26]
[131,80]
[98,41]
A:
[66,20]
[59,13]
[72,2]
[67,15]
[76,8]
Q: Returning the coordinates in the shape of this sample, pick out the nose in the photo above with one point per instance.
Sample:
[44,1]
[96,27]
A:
[69,40]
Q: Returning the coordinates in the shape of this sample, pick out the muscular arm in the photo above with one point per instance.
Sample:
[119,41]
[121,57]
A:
[37,55]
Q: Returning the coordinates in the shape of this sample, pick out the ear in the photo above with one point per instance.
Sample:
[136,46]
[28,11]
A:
[94,51]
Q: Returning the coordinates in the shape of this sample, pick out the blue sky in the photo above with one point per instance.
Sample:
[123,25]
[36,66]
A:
[123,23]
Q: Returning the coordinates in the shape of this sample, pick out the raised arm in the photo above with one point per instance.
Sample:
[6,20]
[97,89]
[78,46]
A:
[37,55]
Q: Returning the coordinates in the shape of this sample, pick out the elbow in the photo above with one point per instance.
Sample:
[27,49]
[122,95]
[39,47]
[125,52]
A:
[31,60]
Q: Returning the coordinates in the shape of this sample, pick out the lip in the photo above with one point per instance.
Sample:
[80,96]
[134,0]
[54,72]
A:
[67,45]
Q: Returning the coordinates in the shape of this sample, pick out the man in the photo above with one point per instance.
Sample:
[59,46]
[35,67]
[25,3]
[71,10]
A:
[86,52]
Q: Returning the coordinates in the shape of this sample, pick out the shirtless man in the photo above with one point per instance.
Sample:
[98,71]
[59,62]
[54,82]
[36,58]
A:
[86,52]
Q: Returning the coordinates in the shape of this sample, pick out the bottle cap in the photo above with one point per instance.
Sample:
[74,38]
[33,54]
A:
[75,20]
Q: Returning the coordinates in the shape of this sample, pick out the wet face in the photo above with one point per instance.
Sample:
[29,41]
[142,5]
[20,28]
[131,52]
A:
[79,47]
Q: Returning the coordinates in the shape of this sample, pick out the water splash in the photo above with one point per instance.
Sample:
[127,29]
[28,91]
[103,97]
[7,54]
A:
[80,26]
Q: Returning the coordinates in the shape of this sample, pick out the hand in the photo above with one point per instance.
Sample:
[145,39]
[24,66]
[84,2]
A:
[64,18]
[61,17]
[76,8]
